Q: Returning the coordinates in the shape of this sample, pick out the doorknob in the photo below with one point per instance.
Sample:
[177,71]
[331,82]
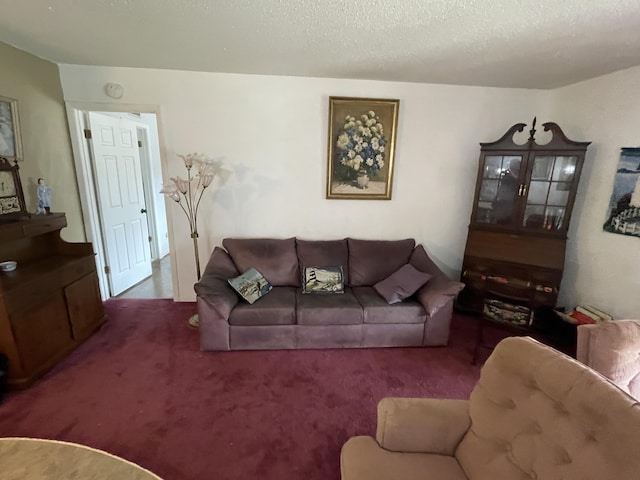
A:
[143,210]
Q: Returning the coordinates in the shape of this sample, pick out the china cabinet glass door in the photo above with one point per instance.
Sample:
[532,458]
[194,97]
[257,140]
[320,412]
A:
[499,190]
[548,192]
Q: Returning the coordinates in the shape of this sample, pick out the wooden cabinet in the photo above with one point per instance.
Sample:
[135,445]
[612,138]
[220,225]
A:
[51,302]
[522,208]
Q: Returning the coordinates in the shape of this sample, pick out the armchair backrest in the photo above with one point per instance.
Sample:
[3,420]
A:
[537,413]
[613,349]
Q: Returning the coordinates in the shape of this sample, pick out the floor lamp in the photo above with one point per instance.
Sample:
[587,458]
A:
[187,194]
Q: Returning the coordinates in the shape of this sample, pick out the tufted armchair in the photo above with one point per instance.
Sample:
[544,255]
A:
[613,349]
[534,414]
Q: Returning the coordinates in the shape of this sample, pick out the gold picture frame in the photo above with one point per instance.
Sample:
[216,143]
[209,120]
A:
[10,139]
[361,148]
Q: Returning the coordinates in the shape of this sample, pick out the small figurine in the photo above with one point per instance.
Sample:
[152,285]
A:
[44,197]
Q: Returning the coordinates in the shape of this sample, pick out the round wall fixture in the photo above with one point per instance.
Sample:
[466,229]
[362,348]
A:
[114,90]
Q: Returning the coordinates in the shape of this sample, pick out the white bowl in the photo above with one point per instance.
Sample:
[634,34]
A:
[8,266]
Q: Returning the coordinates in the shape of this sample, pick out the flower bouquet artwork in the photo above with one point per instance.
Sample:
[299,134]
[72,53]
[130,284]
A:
[361,148]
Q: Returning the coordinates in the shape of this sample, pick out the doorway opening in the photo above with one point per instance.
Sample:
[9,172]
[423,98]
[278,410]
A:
[119,160]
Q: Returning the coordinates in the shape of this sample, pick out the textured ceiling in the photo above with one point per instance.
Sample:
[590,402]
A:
[502,43]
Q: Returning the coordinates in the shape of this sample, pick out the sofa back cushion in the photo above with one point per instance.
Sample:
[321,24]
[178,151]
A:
[537,413]
[421,260]
[371,261]
[323,253]
[275,259]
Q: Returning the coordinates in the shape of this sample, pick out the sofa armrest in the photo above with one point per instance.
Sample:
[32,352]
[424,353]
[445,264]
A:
[422,425]
[439,289]
[218,294]
[213,286]
[437,292]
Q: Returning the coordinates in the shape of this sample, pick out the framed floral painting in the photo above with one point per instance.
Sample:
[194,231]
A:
[362,139]
[10,143]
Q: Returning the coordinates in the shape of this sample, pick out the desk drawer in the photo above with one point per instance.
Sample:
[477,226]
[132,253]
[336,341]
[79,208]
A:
[507,312]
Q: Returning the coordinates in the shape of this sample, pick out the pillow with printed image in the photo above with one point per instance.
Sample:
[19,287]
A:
[323,280]
[251,285]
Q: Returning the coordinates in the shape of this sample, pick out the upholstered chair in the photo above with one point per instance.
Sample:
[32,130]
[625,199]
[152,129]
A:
[613,349]
[535,413]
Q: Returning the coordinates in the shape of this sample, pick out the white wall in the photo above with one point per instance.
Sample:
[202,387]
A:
[601,269]
[35,84]
[271,133]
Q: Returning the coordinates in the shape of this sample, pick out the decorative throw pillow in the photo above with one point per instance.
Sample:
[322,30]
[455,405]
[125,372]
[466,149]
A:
[401,284]
[251,285]
[322,280]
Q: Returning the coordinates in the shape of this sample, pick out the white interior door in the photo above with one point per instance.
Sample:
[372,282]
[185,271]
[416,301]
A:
[118,178]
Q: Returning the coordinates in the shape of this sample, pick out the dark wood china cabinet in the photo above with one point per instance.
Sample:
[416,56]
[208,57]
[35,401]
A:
[522,207]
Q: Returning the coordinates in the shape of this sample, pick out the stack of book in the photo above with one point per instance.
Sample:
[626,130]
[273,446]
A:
[585,314]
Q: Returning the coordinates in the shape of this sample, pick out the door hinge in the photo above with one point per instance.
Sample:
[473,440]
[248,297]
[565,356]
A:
[107,269]
[87,134]
[150,238]
[139,144]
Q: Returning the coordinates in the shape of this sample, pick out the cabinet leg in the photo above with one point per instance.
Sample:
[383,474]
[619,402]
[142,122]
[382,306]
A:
[478,341]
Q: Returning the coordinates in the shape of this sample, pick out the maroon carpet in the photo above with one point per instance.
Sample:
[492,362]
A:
[141,389]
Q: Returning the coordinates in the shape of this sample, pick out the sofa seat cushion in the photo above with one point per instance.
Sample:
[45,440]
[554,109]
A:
[362,458]
[276,308]
[371,261]
[275,259]
[377,310]
[328,309]
[323,253]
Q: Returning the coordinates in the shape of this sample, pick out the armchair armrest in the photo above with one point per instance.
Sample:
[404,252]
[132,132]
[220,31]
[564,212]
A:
[583,343]
[213,286]
[424,425]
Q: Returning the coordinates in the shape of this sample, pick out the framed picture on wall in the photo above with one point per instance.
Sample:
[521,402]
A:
[10,141]
[362,139]
[624,205]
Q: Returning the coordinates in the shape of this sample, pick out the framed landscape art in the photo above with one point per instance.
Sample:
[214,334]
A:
[362,138]
[624,207]
[10,142]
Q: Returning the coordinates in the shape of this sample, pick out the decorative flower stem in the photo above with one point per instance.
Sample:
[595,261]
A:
[194,235]
[188,196]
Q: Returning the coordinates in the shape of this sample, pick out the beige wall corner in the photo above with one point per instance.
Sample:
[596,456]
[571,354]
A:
[35,83]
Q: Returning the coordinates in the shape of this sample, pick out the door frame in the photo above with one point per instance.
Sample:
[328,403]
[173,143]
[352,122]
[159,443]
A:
[147,187]
[84,175]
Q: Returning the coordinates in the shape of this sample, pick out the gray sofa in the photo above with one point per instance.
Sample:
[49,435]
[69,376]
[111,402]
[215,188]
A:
[287,319]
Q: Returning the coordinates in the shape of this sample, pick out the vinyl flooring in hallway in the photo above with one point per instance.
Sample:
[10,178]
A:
[158,285]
